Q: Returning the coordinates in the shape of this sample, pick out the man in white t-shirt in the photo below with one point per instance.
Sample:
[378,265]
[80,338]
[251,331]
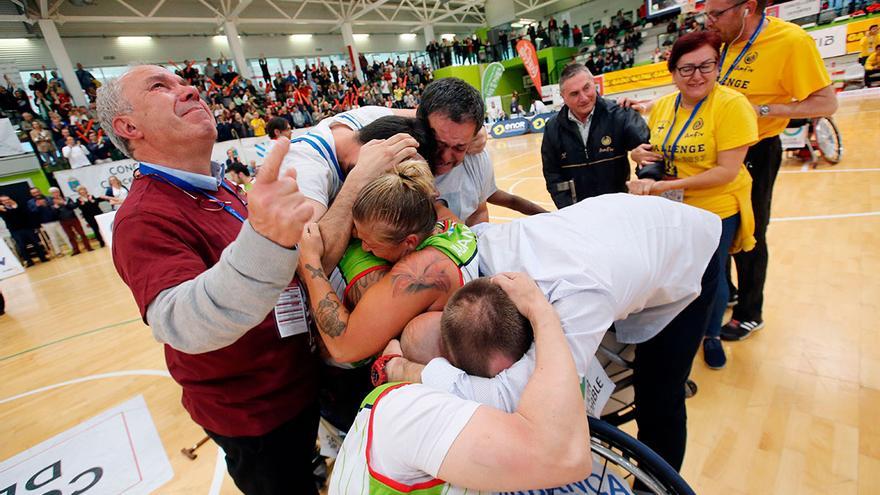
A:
[76,154]
[470,186]
[643,264]
[410,436]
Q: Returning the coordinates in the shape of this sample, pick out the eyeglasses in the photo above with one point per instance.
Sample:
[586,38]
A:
[204,203]
[716,14]
[689,69]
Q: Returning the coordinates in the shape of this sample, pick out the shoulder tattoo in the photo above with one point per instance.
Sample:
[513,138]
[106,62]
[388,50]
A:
[420,273]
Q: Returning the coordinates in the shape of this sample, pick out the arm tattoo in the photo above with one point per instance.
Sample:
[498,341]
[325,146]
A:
[316,272]
[359,288]
[418,275]
[330,316]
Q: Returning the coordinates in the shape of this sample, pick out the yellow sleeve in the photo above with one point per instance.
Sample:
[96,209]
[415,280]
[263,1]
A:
[864,45]
[805,73]
[745,130]
[872,62]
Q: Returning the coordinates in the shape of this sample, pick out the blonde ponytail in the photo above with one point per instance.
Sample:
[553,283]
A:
[402,199]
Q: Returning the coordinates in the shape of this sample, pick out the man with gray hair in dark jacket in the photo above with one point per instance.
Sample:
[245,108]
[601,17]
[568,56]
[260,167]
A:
[585,146]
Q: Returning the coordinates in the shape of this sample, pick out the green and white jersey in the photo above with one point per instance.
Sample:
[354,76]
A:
[387,453]
[459,243]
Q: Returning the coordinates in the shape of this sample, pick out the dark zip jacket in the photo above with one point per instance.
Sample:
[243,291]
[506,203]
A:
[602,166]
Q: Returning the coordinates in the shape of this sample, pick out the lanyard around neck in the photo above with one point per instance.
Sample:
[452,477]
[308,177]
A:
[148,171]
[742,53]
[671,152]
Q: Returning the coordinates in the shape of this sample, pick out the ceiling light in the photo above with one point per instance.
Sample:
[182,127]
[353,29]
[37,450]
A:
[134,40]
[361,37]
[408,36]
[300,37]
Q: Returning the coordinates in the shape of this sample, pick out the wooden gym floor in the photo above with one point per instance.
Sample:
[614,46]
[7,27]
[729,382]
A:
[795,411]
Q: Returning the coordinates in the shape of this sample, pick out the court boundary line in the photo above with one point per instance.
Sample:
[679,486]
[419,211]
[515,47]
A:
[826,217]
[69,337]
[220,469]
[84,379]
[829,170]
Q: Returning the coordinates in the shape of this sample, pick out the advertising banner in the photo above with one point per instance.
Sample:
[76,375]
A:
[529,56]
[491,77]
[831,42]
[9,264]
[794,9]
[539,122]
[95,177]
[509,128]
[857,30]
[644,76]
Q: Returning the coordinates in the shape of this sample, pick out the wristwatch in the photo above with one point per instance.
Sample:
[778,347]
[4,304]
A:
[764,110]
[377,371]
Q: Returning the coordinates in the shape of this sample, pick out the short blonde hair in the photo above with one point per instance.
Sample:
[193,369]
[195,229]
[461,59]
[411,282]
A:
[402,199]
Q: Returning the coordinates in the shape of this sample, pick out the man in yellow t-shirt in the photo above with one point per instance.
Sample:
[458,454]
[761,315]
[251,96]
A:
[259,126]
[872,66]
[868,43]
[757,60]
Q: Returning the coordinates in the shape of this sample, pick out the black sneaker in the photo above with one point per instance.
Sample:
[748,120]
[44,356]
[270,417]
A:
[713,353]
[740,330]
[734,299]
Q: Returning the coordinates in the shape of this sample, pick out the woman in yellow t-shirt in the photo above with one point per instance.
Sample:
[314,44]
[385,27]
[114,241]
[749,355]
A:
[699,138]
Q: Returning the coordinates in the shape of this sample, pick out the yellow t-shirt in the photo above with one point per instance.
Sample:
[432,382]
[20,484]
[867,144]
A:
[873,62]
[726,120]
[781,66]
[868,44]
[259,126]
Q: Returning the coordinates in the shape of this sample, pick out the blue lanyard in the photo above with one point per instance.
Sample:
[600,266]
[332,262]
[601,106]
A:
[323,148]
[741,53]
[687,124]
[147,171]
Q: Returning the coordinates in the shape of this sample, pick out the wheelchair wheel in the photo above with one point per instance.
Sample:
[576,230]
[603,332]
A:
[624,457]
[828,140]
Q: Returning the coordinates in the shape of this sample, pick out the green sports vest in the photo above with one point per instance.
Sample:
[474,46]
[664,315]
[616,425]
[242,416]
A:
[459,243]
[356,262]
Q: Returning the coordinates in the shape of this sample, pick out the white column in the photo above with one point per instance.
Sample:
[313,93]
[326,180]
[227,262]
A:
[62,60]
[237,52]
[429,33]
[351,49]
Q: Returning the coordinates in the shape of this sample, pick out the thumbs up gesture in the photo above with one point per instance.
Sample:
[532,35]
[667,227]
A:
[277,210]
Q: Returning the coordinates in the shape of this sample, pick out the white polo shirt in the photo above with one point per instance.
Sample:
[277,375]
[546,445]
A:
[634,261]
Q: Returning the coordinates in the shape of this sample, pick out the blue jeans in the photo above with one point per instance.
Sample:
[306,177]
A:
[729,226]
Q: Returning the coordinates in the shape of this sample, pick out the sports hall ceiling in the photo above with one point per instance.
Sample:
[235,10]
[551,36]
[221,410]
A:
[201,17]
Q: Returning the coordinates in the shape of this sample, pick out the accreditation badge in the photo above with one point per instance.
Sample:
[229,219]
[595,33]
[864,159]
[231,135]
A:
[290,311]
[676,195]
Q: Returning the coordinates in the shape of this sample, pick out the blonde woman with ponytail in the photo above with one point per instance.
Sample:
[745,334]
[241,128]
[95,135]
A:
[395,217]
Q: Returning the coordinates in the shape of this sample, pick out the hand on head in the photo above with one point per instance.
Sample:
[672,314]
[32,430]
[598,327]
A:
[277,210]
[523,292]
[380,155]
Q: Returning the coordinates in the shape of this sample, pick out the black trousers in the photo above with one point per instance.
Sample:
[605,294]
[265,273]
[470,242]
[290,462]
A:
[279,462]
[662,367]
[762,161]
[93,224]
[24,237]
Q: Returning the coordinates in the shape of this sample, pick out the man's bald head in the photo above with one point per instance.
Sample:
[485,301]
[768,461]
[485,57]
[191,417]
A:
[481,330]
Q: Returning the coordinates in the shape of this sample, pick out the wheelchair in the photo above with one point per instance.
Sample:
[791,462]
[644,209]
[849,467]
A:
[813,139]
